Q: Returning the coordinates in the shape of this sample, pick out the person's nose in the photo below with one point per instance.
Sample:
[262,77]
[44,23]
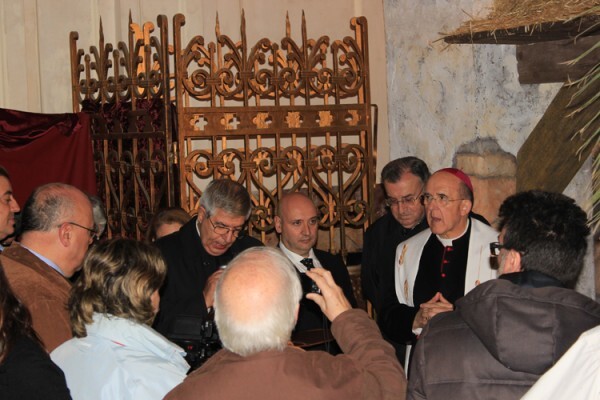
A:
[305,229]
[432,205]
[229,236]
[403,206]
[14,206]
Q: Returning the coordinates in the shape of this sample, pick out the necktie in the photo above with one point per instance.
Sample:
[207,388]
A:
[309,285]
[308,263]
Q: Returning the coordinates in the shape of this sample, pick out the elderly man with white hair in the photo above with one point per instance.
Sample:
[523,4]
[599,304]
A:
[256,306]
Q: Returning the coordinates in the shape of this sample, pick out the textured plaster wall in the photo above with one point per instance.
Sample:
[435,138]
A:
[442,96]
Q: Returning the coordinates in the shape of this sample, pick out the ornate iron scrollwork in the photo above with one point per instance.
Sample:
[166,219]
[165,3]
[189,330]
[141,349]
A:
[275,116]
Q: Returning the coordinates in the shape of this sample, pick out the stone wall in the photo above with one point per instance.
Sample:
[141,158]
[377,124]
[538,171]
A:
[463,105]
[493,174]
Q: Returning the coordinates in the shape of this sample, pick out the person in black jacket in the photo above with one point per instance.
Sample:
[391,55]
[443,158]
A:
[196,253]
[403,181]
[297,223]
[26,371]
[507,332]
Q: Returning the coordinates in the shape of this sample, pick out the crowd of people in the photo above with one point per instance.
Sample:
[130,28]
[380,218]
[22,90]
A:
[460,310]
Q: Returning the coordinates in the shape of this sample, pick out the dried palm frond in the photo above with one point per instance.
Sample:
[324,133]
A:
[529,14]
[593,139]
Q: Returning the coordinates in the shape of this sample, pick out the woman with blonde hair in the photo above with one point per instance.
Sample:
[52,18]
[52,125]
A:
[115,354]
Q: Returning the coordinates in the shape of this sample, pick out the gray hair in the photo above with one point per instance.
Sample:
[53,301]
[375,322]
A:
[227,195]
[271,330]
[99,214]
[47,206]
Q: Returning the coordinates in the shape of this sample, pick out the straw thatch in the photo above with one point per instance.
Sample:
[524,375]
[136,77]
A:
[511,14]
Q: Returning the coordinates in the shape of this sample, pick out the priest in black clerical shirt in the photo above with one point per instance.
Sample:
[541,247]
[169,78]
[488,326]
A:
[403,180]
[297,223]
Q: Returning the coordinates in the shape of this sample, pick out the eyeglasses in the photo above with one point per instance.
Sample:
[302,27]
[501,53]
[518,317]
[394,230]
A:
[495,248]
[405,201]
[441,199]
[93,232]
[224,230]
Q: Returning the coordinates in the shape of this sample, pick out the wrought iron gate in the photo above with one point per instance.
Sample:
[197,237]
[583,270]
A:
[275,116]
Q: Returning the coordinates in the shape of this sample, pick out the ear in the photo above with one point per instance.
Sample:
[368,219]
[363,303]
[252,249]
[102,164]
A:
[65,232]
[465,207]
[277,221]
[512,262]
[201,214]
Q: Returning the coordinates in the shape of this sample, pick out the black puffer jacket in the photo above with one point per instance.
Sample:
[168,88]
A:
[499,340]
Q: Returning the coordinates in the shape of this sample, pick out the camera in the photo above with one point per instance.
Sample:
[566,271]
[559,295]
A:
[197,336]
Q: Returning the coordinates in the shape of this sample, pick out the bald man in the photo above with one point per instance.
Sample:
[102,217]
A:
[256,305]
[297,222]
[57,228]
[439,265]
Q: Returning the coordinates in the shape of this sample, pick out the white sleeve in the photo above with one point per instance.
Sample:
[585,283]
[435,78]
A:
[575,376]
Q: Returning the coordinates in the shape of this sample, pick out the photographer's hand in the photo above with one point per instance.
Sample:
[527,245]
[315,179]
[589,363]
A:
[332,300]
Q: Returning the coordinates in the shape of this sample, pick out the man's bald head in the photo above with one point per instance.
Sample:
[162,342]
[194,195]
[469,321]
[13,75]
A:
[297,222]
[256,301]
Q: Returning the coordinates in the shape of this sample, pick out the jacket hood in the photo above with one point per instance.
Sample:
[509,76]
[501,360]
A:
[527,329]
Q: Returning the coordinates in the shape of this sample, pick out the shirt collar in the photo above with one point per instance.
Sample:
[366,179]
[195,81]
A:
[48,261]
[296,258]
[448,242]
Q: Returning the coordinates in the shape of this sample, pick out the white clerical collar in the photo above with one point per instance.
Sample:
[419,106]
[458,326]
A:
[448,242]
[295,258]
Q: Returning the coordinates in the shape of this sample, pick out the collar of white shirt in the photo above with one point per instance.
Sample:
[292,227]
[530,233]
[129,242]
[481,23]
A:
[296,258]
[48,261]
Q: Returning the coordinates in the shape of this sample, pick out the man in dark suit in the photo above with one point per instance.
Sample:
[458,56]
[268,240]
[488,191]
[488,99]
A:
[196,253]
[297,223]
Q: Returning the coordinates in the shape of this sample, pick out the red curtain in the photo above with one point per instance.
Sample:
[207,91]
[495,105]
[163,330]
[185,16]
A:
[43,148]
